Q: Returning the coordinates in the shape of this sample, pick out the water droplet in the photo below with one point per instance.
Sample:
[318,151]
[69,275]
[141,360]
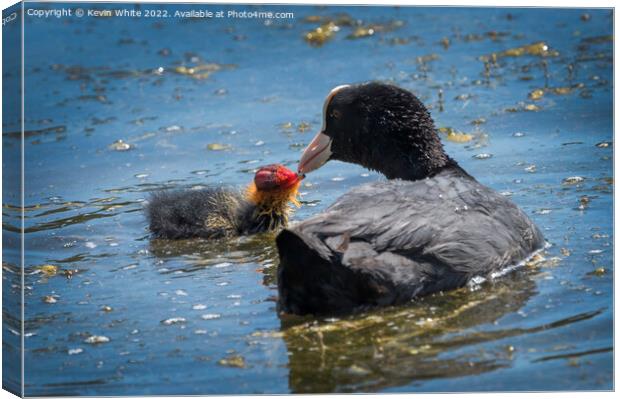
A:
[75,351]
[120,145]
[233,361]
[97,339]
[572,180]
[173,128]
[174,320]
[218,147]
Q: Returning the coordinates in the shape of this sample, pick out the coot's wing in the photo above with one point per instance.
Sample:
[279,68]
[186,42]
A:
[388,242]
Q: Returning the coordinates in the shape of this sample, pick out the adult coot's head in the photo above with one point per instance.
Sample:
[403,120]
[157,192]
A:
[381,127]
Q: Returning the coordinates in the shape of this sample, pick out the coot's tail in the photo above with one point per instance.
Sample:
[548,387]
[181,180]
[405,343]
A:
[306,283]
[312,279]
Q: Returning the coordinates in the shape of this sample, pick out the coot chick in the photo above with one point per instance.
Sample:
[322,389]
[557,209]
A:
[221,212]
[431,227]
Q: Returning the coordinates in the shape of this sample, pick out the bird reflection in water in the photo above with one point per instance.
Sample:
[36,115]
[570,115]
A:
[395,346]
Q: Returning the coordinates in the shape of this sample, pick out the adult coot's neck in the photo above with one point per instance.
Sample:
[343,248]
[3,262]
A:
[419,170]
[419,156]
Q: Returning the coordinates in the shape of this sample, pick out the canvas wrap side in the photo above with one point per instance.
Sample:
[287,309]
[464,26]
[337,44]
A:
[12,197]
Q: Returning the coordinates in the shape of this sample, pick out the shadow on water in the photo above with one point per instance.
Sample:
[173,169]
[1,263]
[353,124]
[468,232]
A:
[433,338]
[198,254]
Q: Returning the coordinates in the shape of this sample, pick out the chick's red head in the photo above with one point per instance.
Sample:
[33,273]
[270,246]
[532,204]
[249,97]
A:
[275,177]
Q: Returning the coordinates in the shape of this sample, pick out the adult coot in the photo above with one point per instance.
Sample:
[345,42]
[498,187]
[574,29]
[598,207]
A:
[219,212]
[431,227]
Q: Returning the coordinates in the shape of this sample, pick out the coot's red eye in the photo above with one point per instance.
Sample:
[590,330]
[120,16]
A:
[336,114]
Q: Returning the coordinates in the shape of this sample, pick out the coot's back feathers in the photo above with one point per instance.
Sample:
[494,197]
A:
[388,242]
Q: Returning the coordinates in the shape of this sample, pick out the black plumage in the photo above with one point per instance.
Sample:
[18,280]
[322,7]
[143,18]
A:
[432,228]
[384,128]
[206,213]
[224,212]
[183,214]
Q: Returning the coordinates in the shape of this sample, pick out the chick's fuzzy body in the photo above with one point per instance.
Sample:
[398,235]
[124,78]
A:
[217,212]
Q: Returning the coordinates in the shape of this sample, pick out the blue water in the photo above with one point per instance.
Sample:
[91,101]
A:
[92,81]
